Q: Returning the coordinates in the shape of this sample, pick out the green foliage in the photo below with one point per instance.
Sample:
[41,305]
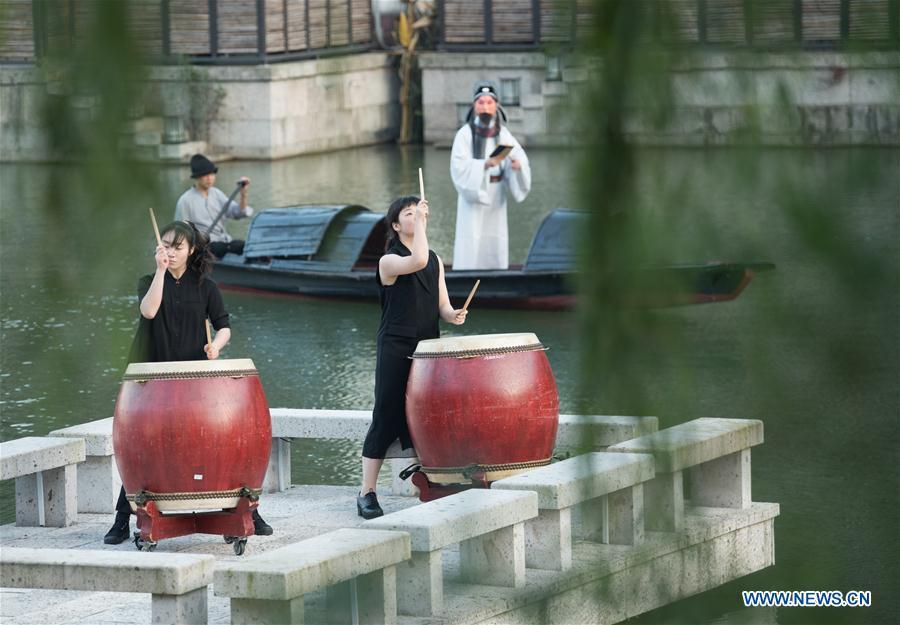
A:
[811,349]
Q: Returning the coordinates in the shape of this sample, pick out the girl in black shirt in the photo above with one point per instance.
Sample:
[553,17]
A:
[175,302]
[413,296]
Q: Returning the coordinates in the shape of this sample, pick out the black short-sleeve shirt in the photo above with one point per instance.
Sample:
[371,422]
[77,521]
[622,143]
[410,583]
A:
[178,331]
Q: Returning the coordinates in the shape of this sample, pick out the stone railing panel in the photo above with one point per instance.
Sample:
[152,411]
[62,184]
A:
[177,582]
[488,525]
[714,452]
[270,587]
[608,488]
[98,475]
[46,478]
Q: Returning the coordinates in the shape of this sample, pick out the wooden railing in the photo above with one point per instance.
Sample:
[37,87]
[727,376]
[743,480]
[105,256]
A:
[199,31]
[530,24]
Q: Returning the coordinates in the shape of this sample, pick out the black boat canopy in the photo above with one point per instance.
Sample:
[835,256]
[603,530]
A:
[321,238]
[553,246]
[343,237]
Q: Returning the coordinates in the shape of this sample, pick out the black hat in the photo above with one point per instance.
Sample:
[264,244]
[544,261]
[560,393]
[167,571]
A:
[200,166]
[485,87]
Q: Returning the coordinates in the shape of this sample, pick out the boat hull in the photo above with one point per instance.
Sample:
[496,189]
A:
[675,285]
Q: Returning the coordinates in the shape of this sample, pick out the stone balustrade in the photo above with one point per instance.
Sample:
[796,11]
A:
[356,568]
[714,452]
[177,581]
[487,525]
[584,532]
[98,475]
[574,432]
[46,478]
[99,481]
[608,488]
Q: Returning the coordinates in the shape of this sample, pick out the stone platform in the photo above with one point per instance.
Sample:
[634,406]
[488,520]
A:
[716,545]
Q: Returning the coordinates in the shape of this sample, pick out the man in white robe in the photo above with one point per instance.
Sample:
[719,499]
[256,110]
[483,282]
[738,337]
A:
[482,240]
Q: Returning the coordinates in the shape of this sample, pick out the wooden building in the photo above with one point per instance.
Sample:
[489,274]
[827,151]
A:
[199,31]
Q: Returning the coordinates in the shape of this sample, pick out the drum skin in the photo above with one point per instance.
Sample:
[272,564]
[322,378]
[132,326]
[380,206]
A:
[495,409]
[192,435]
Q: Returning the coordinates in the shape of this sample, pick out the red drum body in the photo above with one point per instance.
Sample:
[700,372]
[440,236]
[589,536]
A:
[192,435]
[481,407]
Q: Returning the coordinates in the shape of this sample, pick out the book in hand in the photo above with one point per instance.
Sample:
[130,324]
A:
[501,151]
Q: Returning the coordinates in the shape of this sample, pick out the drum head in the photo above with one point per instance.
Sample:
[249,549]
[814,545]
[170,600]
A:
[477,344]
[190,369]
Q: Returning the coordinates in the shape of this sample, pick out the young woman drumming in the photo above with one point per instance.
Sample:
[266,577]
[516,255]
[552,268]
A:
[413,297]
[175,302]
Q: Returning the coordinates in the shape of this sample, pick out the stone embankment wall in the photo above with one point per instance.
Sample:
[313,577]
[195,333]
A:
[249,111]
[792,98]
[281,110]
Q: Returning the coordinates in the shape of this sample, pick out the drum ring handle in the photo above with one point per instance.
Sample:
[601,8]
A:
[140,498]
[413,468]
[249,494]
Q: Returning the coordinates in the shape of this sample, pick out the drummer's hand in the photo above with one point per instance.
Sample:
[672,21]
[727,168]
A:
[459,316]
[422,209]
[212,352]
[162,258]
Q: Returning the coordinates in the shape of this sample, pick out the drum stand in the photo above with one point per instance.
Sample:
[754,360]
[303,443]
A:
[234,524]
[429,491]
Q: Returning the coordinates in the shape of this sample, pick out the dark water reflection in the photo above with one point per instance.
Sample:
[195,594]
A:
[68,311]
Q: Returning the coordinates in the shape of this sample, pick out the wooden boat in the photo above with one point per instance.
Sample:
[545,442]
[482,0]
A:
[332,252]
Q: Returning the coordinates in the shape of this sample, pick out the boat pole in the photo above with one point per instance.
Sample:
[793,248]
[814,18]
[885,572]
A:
[240,185]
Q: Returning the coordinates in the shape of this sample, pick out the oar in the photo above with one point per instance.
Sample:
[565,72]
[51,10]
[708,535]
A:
[421,185]
[240,185]
[471,295]
[155,227]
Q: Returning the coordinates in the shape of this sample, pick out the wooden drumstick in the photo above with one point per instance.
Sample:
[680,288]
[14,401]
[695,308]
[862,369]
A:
[208,332]
[471,294]
[421,185]
[155,227]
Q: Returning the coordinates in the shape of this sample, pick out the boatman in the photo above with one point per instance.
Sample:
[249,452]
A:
[483,180]
[203,204]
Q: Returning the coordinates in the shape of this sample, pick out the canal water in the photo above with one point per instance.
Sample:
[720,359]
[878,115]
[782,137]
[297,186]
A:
[812,357]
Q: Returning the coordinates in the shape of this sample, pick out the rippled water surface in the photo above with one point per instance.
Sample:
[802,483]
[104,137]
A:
[68,311]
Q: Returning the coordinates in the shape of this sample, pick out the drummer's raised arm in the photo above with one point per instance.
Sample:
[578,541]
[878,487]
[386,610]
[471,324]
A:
[410,229]
[151,301]
[448,313]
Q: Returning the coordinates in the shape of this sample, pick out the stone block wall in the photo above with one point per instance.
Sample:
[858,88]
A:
[836,98]
[251,111]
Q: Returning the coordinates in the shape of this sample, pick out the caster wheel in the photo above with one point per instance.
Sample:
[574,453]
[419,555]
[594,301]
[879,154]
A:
[143,545]
[229,539]
[239,546]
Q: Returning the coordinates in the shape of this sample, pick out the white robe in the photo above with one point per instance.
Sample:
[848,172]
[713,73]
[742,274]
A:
[482,240]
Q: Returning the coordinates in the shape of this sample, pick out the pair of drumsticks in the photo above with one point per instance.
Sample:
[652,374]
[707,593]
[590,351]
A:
[477,282]
[159,242]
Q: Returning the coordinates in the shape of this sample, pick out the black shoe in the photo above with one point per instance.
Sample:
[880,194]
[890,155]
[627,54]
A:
[367,506]
[260,527]
[120,531]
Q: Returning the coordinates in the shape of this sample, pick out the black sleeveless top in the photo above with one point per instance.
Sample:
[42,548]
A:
[409,307]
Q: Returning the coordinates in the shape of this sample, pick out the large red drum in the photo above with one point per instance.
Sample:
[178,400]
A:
[481,407]
[193,434]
